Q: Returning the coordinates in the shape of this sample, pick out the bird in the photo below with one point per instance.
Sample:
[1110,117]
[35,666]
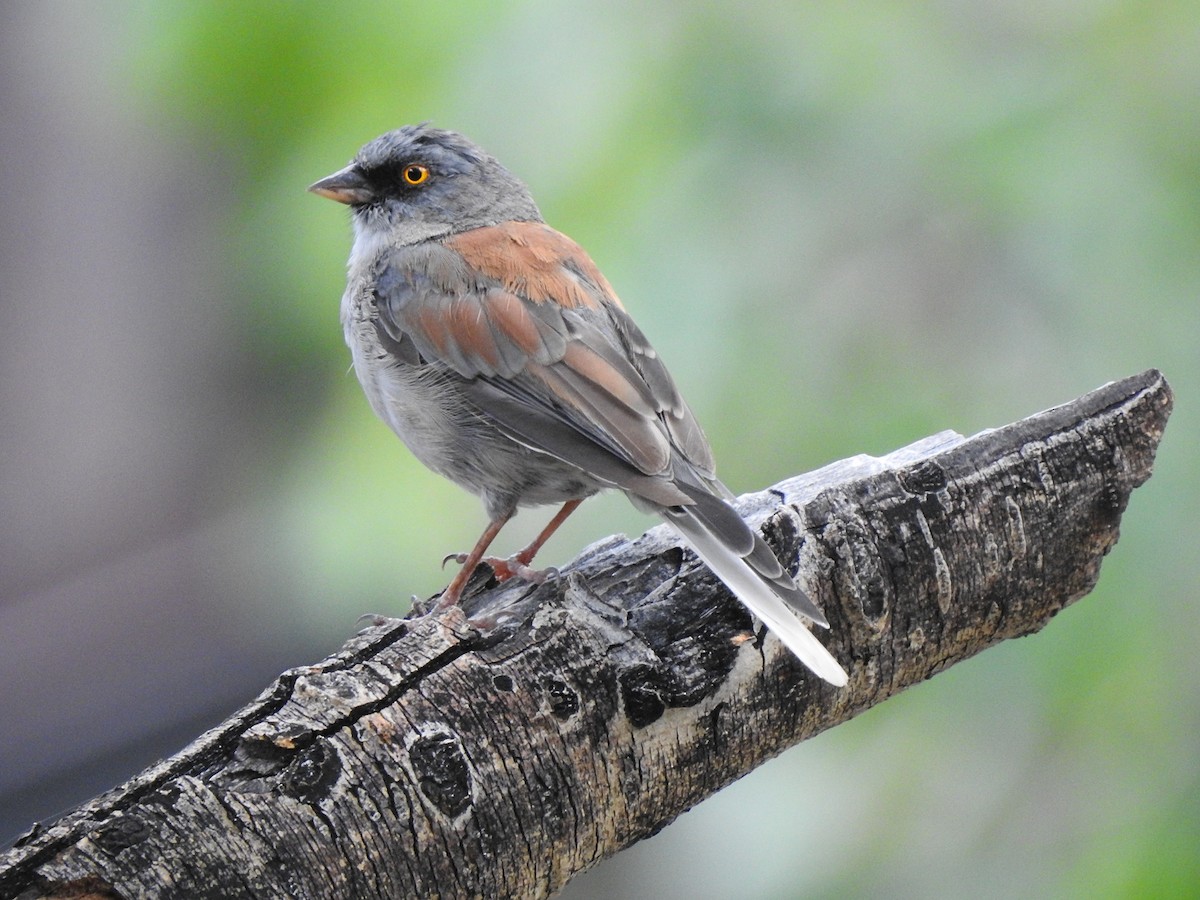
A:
[495,349]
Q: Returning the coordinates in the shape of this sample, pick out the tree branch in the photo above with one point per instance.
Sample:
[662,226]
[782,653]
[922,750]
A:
[427,757]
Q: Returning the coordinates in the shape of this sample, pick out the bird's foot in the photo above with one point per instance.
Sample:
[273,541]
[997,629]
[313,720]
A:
[379,620]
[515,566]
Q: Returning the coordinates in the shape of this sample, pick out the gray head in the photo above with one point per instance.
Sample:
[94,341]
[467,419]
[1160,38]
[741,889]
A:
[418,182]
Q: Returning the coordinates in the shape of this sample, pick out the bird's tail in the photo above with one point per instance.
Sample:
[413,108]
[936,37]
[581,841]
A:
[766,594]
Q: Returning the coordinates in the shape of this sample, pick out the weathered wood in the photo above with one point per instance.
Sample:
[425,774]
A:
[429,758]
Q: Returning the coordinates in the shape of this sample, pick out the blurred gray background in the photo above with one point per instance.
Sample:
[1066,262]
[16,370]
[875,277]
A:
[913,216]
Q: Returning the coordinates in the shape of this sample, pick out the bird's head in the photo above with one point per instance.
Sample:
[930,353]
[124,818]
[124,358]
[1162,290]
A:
[420,182]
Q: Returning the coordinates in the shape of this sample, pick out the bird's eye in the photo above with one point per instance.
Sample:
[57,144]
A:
[416,174]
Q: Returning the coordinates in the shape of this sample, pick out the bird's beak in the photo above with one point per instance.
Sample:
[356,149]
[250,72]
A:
[347,186]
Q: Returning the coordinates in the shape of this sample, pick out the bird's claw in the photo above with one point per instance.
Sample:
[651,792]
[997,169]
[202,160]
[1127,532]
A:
[376,620]
[550,573]
[459,558]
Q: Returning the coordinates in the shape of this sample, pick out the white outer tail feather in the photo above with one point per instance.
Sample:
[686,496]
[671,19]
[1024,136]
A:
[749,588]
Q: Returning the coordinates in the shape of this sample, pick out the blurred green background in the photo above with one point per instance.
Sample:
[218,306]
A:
[844,226]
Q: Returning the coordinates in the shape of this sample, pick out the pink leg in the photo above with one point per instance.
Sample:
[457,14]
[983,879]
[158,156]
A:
[453,593]
[517,565]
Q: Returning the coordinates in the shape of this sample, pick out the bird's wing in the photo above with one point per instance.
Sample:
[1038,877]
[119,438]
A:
[544,348]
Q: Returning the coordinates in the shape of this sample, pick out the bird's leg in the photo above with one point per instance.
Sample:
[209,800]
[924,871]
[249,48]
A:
[517,565]
[453,593]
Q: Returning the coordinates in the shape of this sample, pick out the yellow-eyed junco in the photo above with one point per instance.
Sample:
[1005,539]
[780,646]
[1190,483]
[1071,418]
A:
[495,349]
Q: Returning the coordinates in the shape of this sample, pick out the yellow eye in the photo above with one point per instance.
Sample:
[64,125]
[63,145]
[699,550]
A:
[416,174]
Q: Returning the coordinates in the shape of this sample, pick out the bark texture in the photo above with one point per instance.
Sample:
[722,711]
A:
[429,758]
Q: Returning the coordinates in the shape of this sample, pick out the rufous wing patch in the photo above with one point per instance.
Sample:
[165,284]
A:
[429,320]
[533,260]
[511,316]
[472,333]
[587,363]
